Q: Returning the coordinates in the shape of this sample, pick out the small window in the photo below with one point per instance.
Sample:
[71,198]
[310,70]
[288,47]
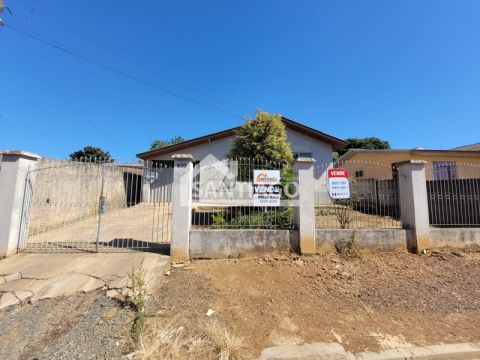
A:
[162,163]
[444,170]
[359,173]
[303,155]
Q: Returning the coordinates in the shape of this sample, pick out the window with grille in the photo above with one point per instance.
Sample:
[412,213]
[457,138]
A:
[444,170]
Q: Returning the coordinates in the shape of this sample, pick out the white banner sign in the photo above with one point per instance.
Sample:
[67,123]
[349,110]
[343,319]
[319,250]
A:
[266,187]
[338,184]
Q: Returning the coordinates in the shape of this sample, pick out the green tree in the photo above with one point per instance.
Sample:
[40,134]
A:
[91,153]
[158,144]
[371,143]
[264,138]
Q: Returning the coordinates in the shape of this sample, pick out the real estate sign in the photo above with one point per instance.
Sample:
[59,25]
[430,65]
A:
[266,187]
[338,184]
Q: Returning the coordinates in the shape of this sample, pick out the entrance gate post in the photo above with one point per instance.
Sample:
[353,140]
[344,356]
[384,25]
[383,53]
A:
[181,207]
[305,208]
[13,172]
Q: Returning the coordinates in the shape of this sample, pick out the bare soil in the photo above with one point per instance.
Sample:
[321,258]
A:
[326,219]
[377,301]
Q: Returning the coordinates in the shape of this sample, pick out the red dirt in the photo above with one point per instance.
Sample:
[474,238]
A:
[378,301]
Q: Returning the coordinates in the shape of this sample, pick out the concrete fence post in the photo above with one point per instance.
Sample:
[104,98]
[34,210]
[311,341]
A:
[13,172]
[414,203]
[182,207]
[305,208]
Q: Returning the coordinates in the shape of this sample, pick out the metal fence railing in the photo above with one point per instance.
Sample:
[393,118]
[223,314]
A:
[373,200]
[96,205]
[453,191]
[224,195]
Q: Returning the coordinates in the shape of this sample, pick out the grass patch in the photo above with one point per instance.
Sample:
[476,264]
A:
[178,339]
[137,299]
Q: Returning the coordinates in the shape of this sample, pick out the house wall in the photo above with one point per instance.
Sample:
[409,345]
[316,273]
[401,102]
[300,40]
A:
[321,152]
[218,148]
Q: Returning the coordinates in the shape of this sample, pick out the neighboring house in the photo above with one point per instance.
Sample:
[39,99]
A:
[442,164]
[304,141]
[472,147]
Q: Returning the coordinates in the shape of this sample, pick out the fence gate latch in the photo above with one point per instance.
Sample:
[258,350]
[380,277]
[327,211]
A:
[101,205]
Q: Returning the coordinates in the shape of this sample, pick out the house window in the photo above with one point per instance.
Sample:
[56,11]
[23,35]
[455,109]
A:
[162,163]
[359,173]
[303,155]
[444,170]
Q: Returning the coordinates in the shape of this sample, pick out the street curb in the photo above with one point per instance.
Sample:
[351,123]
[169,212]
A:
[334,351]
[465,351]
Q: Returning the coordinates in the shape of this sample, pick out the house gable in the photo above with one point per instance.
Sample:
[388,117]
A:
[223,138]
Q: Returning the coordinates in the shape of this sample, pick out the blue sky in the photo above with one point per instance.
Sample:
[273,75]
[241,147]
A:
[405,71]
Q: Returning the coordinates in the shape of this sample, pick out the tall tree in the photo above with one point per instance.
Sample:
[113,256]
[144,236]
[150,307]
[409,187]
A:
[371,143]
[264,137]
[91,153]
[158,144]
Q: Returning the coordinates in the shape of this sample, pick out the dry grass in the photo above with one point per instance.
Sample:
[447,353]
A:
[177,339]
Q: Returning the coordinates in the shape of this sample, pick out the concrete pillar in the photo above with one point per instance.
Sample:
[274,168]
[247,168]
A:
[414,203]
[305,207]
[13,172]
[182,207]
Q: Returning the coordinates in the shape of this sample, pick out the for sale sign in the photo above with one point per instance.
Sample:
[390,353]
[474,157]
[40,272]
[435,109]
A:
[266,187]
[338,184]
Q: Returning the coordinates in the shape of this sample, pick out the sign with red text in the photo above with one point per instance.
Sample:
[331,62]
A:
[338,184]
[266,187]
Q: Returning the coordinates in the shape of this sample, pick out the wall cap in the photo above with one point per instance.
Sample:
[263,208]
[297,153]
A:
[305,160]
[183,157]
[412,162]
[20,153]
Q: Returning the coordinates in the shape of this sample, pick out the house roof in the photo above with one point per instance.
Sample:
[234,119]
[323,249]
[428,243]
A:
[329,139]
[352,152]
[472,147]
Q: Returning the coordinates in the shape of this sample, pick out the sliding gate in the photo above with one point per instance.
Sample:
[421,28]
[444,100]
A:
[91,206]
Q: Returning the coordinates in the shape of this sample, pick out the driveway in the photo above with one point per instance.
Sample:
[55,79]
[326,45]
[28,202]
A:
[31,277]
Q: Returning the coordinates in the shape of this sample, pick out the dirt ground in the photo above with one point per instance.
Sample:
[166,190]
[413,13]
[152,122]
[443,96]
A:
[375,302]
[325,218]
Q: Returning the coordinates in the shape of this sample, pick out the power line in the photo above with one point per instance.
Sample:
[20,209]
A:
[122,73]
[72,26]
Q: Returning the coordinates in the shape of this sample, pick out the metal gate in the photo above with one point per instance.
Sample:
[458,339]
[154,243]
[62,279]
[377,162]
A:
[92,206]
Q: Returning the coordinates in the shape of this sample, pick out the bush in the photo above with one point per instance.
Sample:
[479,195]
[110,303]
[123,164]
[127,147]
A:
[349,248]
[277,218]
[218,221]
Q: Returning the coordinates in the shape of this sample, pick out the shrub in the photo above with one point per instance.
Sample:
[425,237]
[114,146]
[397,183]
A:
[218,221]
[349,248]
[139,292]
[279,218]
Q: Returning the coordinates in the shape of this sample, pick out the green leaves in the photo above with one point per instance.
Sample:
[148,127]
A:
[370,143]
[264,137]
[158,144]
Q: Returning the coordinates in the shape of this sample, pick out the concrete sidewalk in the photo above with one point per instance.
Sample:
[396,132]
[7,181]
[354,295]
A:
[334,351]
[31,277]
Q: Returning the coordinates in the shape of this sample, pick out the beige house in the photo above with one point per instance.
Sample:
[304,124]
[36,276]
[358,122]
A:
[441,164]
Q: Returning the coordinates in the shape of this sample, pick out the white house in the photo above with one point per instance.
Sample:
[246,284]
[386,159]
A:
[304,141]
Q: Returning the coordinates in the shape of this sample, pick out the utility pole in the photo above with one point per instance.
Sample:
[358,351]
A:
[1,10]
[2,7]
